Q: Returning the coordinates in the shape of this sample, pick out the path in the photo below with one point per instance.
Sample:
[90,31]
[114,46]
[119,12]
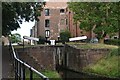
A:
[7,68]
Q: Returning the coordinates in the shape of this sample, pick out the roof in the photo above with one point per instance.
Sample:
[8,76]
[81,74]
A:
[56,5]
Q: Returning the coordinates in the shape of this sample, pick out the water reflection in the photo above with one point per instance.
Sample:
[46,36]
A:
[67,74]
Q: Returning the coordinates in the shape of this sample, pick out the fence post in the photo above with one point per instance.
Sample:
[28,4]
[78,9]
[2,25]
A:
[23,71]
[31,74]
[19,71]
[15,68]
[23,44]
[15,62]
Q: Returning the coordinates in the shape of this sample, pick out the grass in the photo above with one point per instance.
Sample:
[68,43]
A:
[51,74]
[107,66]
[92,46]
[34,74]
[47,73]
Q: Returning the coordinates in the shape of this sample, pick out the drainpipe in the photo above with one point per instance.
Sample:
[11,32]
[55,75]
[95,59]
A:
[69,20]
[76,29]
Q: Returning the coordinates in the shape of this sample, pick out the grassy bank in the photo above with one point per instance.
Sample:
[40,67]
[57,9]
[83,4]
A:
[48,73]
[51,74]
[92,46]
[107,66]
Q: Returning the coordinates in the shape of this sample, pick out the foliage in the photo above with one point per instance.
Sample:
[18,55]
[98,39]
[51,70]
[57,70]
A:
[48,73]
[65,35]
[112,42]
[107,66]
[35,76]
[15,38]
[51,74]
[114,52]
[102,18]
[14,13]
[41,40]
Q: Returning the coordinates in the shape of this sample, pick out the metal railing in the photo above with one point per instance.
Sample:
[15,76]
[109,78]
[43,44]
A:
[20,68]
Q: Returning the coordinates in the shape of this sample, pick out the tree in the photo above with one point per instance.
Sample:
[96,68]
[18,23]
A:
[14,13]
[65,35]
[100,18]
[41,40]
[15,38]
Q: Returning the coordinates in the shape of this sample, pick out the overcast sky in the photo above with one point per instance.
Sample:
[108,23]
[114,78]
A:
[25,29]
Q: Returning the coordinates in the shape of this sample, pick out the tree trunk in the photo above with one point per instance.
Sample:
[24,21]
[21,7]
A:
[92,31]
[76,29]
[119,34]
[101,40]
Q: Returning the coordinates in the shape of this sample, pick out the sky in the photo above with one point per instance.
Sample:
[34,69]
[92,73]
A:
[25,29]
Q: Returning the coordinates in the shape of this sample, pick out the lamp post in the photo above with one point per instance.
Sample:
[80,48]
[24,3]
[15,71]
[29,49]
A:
[58,38]
[23,43]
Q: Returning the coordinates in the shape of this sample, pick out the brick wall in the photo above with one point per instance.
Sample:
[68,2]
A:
[77,59]
[48,57]
[41,57]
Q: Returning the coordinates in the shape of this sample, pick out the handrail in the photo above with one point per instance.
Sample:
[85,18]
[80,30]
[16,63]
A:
[28,66]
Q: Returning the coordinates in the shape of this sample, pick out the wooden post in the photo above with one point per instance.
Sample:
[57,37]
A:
[23,44]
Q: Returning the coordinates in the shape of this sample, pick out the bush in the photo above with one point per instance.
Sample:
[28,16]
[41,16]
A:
[41,40]
[65,35]
[114,52]
[112,42]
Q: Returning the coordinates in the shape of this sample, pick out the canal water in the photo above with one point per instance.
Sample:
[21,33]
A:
[68,74]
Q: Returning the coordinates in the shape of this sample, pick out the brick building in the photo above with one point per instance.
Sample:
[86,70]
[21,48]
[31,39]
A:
[53,20]
[56,17]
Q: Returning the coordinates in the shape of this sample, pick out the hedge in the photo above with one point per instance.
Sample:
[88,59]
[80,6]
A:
[41,40]
[65,35]
[112,42]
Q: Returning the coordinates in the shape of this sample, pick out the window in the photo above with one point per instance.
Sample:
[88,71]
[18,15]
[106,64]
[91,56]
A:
[62,10]
[46,12]
[47,33]
[47,23]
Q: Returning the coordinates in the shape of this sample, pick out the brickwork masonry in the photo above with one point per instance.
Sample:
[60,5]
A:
[48,57]
[77,59]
